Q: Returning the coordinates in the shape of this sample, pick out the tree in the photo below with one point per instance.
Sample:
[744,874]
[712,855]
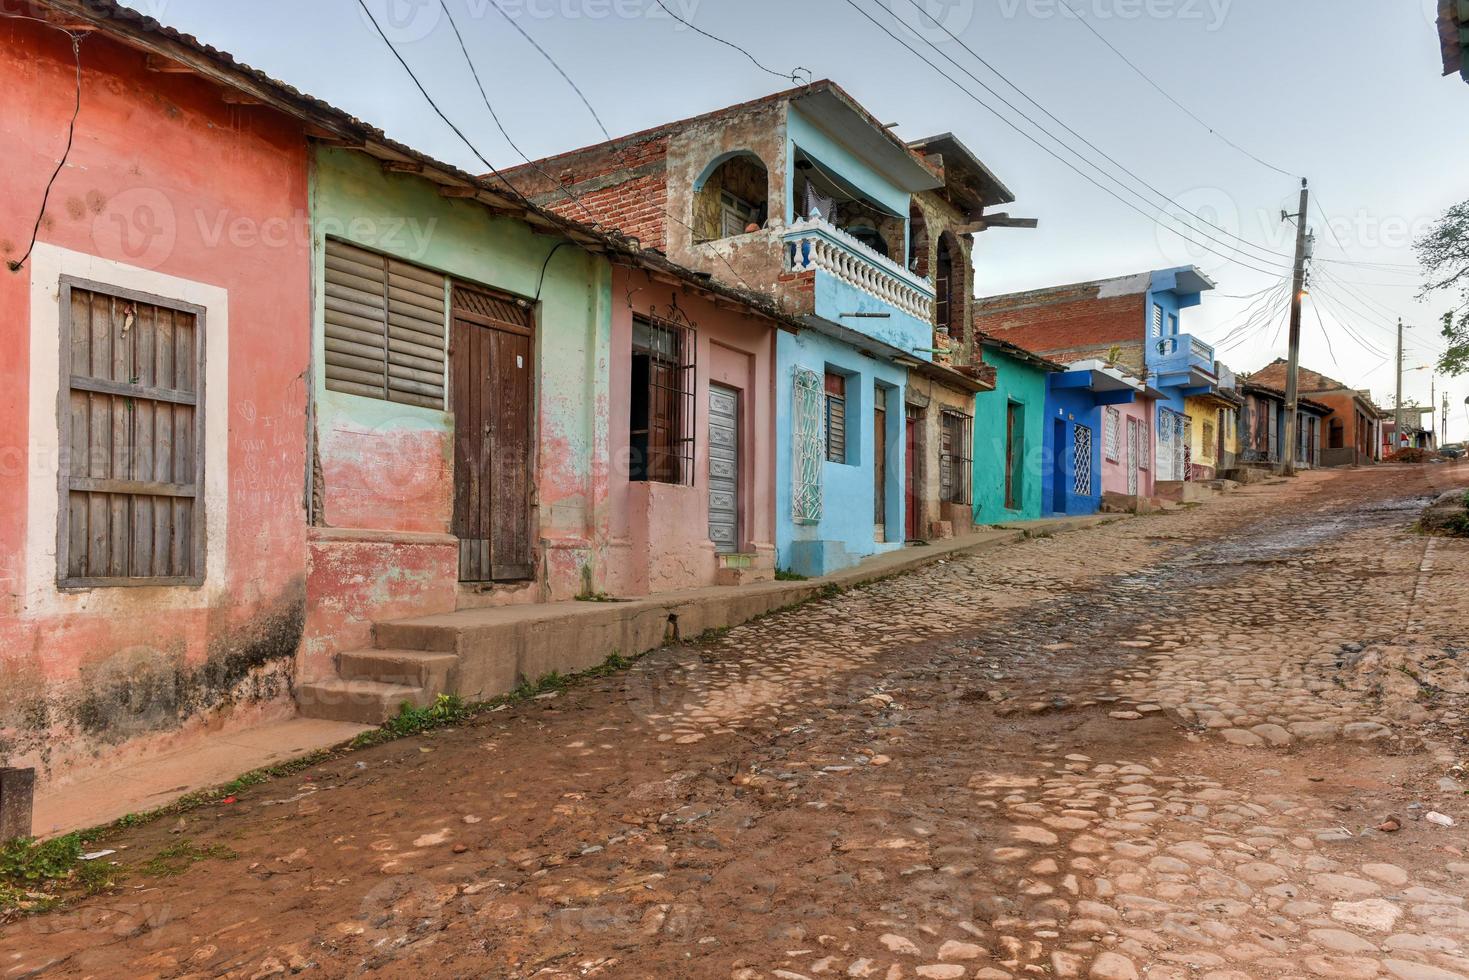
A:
[1443,251]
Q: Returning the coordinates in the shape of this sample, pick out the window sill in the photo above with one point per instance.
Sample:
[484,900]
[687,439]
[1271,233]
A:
[88,584]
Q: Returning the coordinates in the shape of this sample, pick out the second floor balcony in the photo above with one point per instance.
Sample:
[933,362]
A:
[856,287]
[1182,359]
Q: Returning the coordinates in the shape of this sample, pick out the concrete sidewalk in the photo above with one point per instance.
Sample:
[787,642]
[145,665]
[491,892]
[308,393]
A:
[563,636]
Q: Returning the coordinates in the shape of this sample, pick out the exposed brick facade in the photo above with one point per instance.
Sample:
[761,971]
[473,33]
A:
[1069,323]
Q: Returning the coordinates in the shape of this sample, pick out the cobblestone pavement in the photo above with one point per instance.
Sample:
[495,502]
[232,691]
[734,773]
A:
[1219,743]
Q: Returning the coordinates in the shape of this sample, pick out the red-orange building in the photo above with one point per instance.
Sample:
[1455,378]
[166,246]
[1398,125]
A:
[1353,430]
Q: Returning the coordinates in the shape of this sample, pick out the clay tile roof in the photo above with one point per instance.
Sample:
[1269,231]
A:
[1274,374]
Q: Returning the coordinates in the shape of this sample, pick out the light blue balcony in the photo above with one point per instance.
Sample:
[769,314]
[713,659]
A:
[1182,360]
[860,291]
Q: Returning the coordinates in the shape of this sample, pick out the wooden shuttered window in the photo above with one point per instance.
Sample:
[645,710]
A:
[836,417]
[131,465]
[385,327]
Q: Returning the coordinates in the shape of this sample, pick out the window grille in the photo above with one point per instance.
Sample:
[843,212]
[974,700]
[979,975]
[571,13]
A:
[807,432]
[662,416]
[1112,434]
[132,439]
[1082,460]
[954,456]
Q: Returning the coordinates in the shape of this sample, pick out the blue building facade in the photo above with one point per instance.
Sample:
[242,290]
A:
[1179,365]
[1075,434]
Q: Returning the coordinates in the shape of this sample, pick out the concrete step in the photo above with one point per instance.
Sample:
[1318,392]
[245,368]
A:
[412,668]
[735,575]
[362,702]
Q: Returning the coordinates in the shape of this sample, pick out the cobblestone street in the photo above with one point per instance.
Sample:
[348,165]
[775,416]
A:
[1224,742]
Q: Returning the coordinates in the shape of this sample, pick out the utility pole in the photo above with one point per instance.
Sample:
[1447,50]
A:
[1288,460]
[1397,430]
[1443,420]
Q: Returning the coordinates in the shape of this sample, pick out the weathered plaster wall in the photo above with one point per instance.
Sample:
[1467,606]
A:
[846,527]
[1025,385]
[1204,452]
[386,470]
[659,532]
[172,192]
[1114,471]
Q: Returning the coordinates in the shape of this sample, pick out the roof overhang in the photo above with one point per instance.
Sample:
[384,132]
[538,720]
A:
[965,171]
[1185,280]
[1101,376]
[829,108]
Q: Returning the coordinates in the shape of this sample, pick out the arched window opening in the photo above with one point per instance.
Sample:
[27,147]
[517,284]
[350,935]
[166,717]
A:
[733,199]
[947,283]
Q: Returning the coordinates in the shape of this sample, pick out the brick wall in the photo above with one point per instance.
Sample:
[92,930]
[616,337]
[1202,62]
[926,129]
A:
[1081,322]
[623,187]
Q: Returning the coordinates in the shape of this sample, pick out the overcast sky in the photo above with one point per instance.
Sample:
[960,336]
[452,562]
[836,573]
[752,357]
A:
[1345,92]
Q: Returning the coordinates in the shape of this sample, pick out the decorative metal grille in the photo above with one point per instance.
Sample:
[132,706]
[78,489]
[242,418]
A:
[1144,446]
[1186,441]
[1166,433]
[1082,461]
[807,446]
[1112,434]
[955,460]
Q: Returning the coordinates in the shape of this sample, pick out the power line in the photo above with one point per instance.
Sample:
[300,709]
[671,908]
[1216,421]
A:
[794,77]
[496,117]
[1268,254]
[610,141]
[71,128]
[435,106]
[1320,323]
[1085,176]
[1186,110]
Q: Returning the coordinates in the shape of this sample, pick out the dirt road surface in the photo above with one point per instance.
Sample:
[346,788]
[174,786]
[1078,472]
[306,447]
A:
[1158,748]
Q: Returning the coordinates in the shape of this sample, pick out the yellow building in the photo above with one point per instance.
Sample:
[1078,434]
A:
[1213,434]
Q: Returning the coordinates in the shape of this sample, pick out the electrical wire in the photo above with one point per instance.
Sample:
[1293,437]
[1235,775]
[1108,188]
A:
[1186,110]
[71,128]
[496,117]
[1322,324]
[610,141]
[916,53]
[1267,255]
[794,77]
[435,106]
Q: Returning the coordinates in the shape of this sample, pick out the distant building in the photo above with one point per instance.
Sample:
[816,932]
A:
[1352,430]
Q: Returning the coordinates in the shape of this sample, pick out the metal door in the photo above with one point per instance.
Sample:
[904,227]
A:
[490,368]
[1132,457]
[724,469]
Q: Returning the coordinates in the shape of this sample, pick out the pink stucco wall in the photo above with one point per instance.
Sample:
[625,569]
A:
[165,183]
[1114,472]
[659,537]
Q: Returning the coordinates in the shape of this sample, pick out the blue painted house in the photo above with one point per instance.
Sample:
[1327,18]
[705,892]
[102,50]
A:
[1179,365]
[1077,431]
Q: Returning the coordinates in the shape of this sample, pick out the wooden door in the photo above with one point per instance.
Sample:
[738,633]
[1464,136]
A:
[724,468]
[880,459]
[490,361]
[911,504]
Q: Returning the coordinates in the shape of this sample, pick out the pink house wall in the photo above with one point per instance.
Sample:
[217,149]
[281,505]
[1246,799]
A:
[172,191]
[659,537]
[1114,471]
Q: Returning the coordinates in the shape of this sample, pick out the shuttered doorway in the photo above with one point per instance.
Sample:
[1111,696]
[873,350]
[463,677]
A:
[724,469]
[490,376]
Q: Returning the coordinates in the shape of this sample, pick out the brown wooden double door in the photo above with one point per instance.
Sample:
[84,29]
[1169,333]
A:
[490,364]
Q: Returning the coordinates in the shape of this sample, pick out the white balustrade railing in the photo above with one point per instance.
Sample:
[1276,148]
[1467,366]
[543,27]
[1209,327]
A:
[815,244]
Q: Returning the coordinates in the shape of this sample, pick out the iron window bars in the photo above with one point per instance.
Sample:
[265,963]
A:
[663,416]
[954,456]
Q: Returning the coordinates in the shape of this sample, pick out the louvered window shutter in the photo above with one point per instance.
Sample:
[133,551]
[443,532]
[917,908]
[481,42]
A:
[385,325]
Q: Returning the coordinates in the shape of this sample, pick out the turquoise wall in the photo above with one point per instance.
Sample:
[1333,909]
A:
[1019,383]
